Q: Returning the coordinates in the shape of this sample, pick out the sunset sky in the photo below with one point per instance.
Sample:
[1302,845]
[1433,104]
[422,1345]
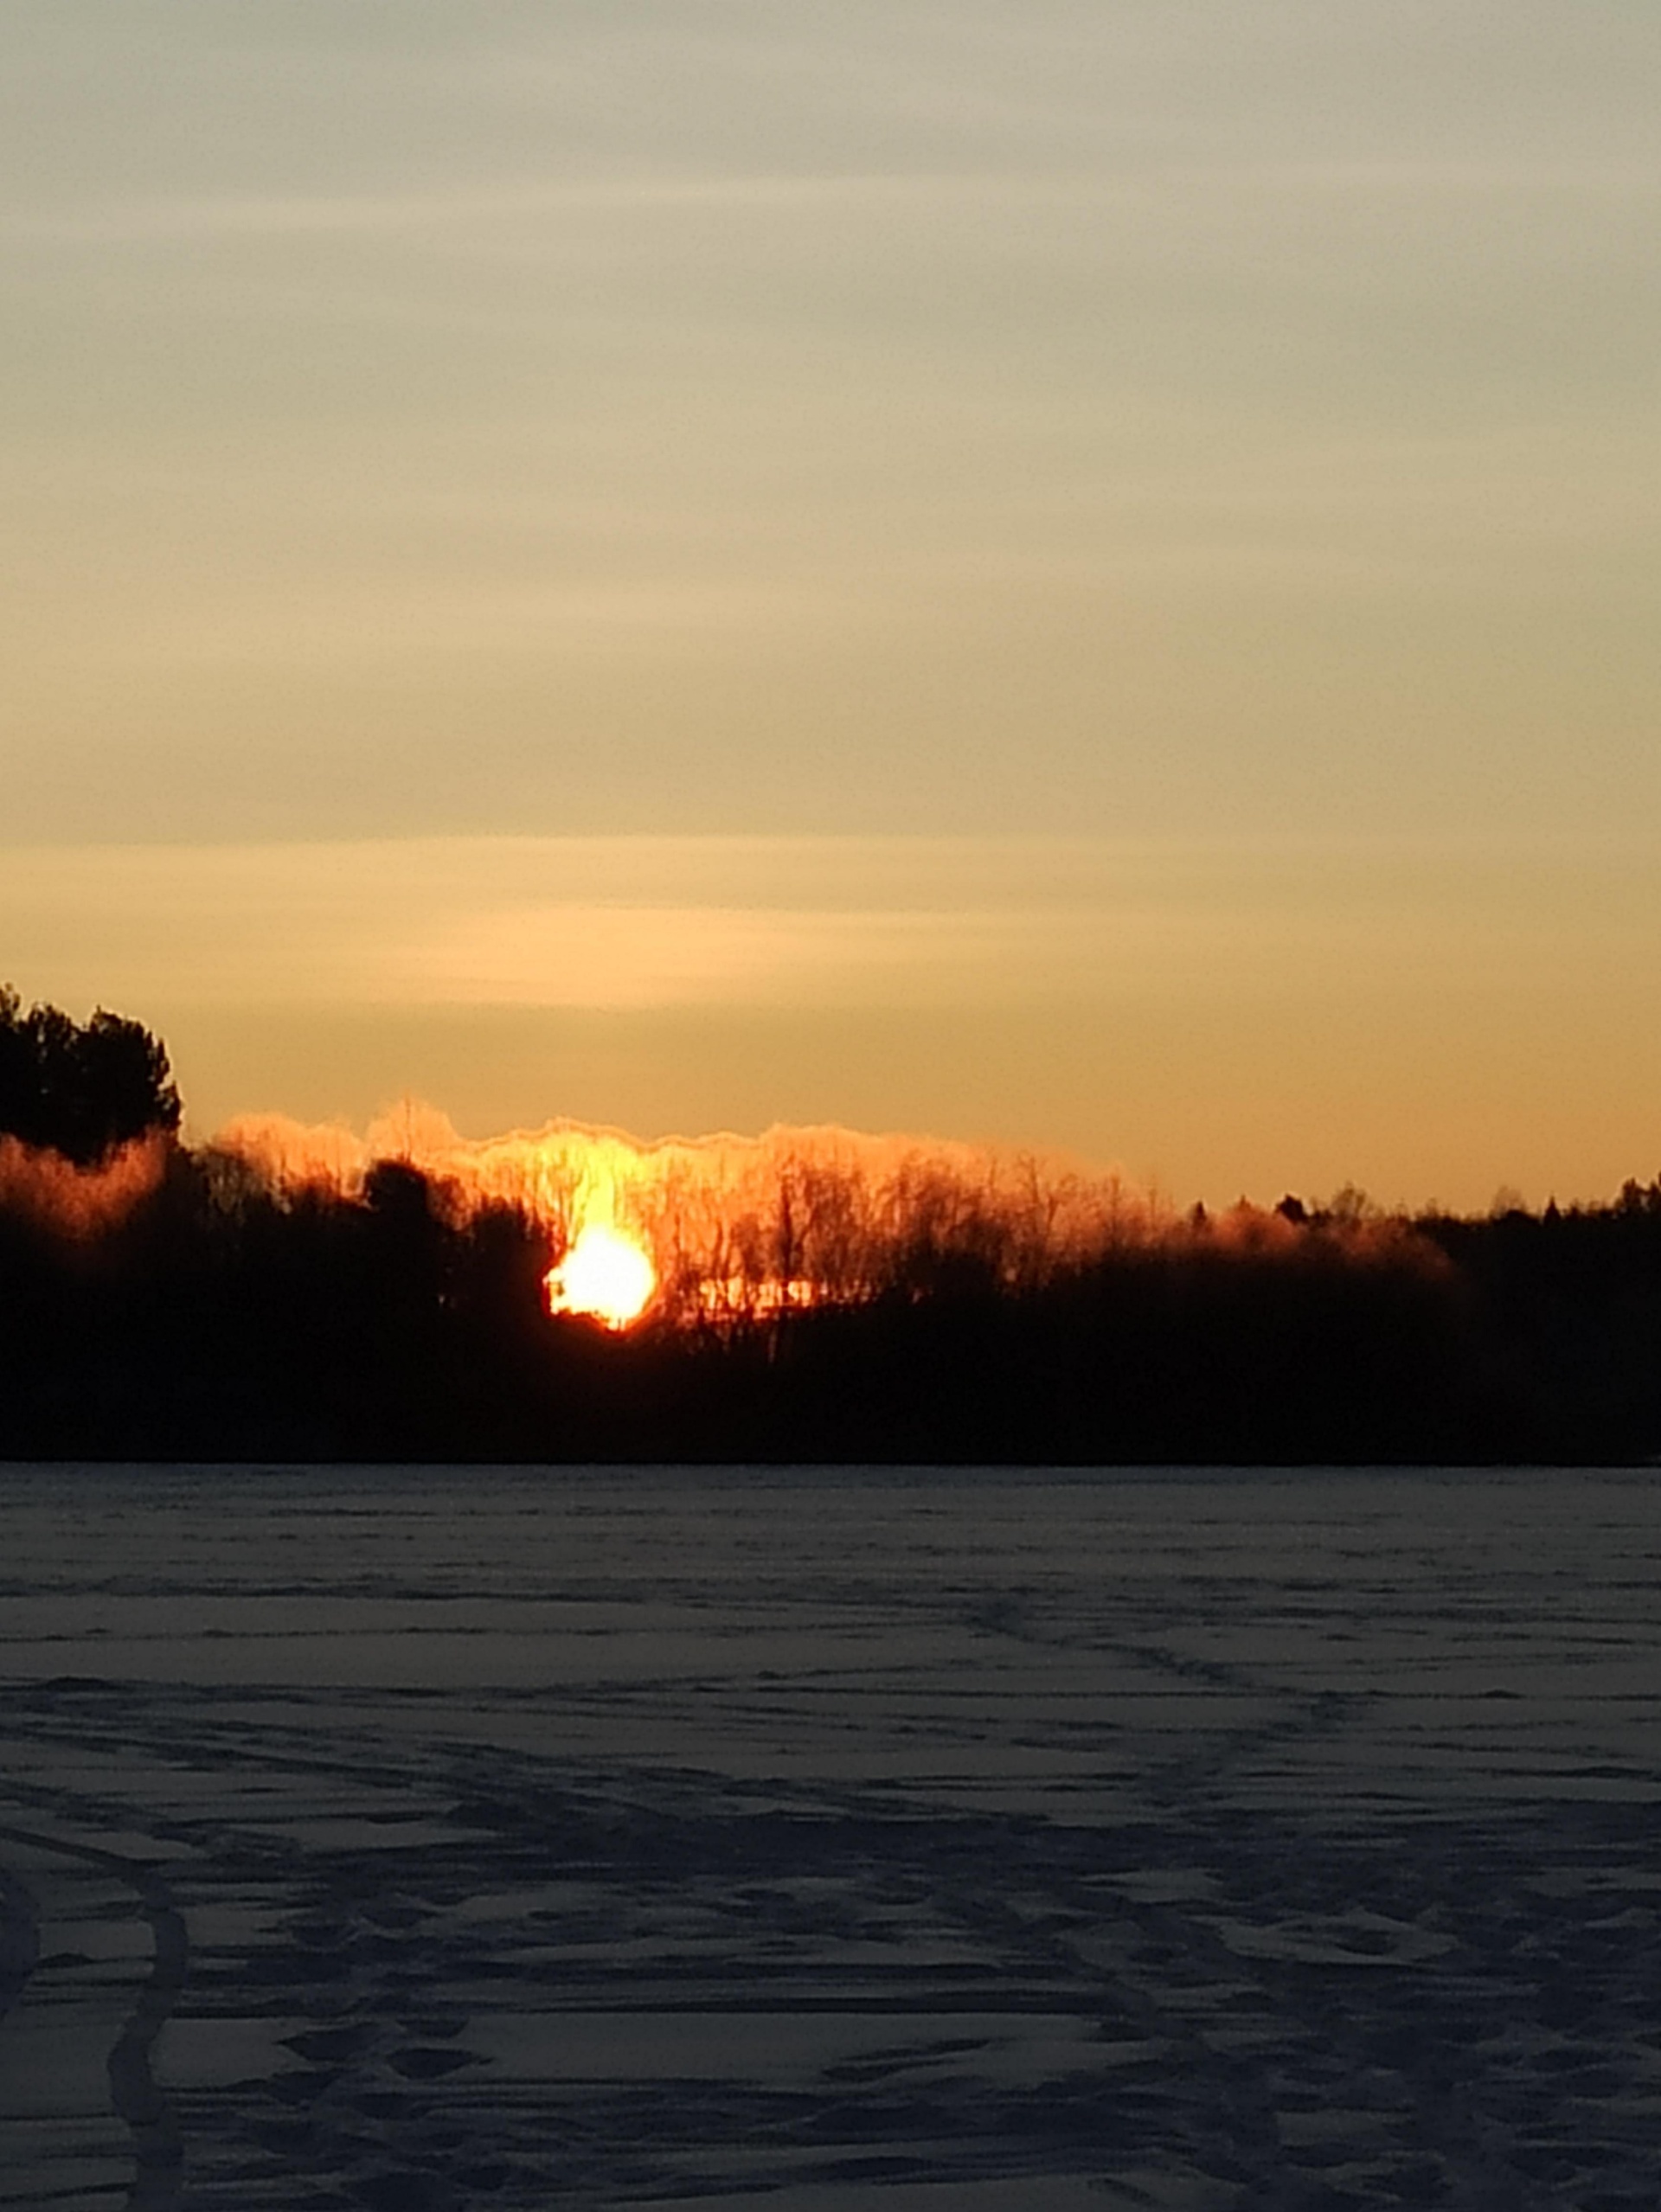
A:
[1080,574]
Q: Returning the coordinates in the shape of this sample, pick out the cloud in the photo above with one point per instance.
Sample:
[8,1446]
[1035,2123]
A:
[188,218]
[571,922]
[242,216]
[625,957]
[637,923]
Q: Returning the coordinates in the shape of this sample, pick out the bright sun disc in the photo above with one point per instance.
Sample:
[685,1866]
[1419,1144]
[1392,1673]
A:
[605,1274]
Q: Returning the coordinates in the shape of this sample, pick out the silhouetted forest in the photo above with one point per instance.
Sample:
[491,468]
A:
[214,1313]
[80,1090]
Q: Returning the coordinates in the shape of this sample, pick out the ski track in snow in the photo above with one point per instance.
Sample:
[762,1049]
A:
[422,1840]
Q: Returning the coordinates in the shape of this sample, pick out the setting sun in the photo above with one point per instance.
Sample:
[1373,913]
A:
[605,1274]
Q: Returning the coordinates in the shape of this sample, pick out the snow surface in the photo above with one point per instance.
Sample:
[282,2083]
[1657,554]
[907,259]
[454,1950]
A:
[427,1839]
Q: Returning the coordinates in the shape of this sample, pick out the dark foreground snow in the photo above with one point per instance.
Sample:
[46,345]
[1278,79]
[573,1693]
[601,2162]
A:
[450,1839]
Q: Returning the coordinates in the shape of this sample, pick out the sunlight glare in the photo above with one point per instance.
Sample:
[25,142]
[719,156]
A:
[605,1274]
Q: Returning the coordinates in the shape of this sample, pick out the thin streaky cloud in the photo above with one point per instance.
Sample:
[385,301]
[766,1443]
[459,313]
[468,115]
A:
[325,214]
[680,922]
[321,214]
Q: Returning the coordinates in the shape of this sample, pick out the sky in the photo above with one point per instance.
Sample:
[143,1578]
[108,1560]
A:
[1077,575]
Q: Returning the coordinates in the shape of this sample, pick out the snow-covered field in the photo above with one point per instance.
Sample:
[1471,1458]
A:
[448,1838]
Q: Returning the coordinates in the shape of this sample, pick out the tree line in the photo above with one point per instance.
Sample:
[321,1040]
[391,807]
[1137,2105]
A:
[80,1090]
[222,1316]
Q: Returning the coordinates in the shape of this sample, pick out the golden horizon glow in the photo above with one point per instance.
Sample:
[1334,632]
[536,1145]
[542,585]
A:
[605,1274]
[1077,577]
[1429,1017]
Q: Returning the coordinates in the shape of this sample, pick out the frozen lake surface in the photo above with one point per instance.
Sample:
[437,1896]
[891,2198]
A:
[426,1840]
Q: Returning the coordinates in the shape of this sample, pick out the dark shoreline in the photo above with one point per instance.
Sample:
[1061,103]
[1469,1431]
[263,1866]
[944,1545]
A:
[385,1328]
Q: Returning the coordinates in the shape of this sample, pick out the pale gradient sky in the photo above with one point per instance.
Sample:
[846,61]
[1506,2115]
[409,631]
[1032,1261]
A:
[781,467]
